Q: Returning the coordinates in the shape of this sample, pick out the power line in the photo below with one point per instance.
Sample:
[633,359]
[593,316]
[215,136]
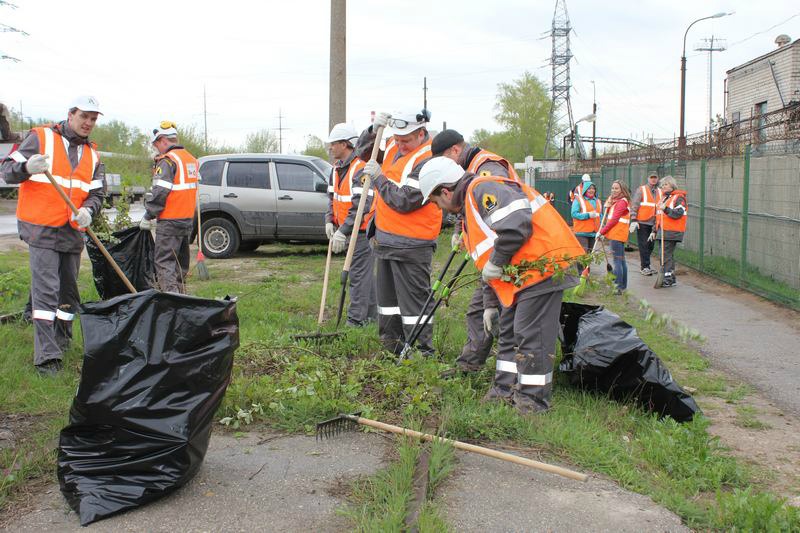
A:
[763,31]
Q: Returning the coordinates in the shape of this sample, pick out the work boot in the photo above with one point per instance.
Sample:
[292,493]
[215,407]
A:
[498,392]
[534,388]
[50,368]
[669,280]
[527,405]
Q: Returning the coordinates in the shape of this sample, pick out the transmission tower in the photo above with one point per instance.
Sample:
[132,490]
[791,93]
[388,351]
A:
[560,105]
[711,45]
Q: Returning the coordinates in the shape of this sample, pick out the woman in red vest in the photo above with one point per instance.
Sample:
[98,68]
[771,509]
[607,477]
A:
[616,230]
[672,214]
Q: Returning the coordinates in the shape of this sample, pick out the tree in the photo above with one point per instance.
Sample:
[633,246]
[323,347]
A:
[315,146]
[119,138]
[523,108]
[260,142]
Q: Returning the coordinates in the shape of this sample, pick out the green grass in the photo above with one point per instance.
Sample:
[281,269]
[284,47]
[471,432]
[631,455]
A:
[681,466]
[747,417]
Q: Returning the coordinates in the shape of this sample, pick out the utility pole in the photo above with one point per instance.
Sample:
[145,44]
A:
[337,91]
[280,129]
[594,122]
[711,45]
[425,92]
[205,119]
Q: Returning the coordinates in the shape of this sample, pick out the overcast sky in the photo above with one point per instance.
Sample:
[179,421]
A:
[146,61]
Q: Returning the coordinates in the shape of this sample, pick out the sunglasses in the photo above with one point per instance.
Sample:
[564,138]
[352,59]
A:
[422,116]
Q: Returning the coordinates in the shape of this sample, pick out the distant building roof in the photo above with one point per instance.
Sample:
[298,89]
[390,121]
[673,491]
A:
[768,54]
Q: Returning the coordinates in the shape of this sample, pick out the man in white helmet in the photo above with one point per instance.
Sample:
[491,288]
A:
[54,235]
[172,202]
[508,223]
[345,192]
[406,229]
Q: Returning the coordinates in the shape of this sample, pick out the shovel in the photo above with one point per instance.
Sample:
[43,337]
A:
[351,248]
[91,234]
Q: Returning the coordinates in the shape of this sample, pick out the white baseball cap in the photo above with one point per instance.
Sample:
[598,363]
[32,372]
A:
[165,128]
[343,132]
[404,122]
[86,103]
[438,171]
[586,177]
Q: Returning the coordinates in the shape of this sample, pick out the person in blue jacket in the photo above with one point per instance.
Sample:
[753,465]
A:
[586,210]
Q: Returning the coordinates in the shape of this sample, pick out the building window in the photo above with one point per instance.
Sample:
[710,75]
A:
[736,116]
[761,125]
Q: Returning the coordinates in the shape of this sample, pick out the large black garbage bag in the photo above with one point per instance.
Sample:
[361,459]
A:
[155,370]
[604,353]
[133,252]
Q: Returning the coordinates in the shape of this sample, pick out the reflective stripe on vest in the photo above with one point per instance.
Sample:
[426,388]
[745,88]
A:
[647,209]
[589,225]
[182,197]
[423,223]
[676,224]
[39,203]
[343,196]
[551,237]
[484,156]
[620,230]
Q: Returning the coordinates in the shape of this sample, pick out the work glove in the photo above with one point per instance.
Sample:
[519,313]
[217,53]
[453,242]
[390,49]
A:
[330,229]
[147,224]
[601,237]
[634,226]
[83,218]
[381,120]
[455,241]
[37,164]
[652,237]
[490,318]
[594,214]
[491,271]
[338,242]
[372,168]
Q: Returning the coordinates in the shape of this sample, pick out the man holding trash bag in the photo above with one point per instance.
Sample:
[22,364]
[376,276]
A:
[45,222]
[171,202]
[516,239]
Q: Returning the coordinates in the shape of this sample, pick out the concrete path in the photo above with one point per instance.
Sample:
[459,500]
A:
[273,482]
[746,335]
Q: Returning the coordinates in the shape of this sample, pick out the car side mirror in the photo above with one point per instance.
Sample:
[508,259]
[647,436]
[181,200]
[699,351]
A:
[320,186]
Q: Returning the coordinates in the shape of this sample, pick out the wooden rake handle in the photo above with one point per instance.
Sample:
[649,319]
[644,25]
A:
[99,244]
[325,284]
[475,449]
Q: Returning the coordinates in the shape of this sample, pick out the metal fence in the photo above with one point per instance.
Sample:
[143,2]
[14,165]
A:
[744,215]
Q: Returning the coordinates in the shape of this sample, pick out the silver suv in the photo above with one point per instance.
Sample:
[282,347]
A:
[250,199]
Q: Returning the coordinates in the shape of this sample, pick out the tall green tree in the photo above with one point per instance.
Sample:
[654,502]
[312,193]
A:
[261,142]
[315,146]
[116,136]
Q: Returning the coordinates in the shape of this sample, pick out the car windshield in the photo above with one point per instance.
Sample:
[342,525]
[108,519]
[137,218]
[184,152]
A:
[323,166]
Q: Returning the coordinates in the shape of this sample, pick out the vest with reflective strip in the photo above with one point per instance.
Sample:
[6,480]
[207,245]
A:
[423,223]
[342,197]
[577,192]
[590,225]
[39,202]
[620,230]
[485,155]
[551,236]
[182,197]
[675,224]
[647,209]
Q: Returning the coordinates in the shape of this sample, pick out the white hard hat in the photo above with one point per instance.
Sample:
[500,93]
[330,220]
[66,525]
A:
[343,132]
[86,103]
[404,122]
[165,129]
[438,171]
[586,177]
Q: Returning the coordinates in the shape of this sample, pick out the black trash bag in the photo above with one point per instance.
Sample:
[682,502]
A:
[604,353]
[133,252]
[155,370]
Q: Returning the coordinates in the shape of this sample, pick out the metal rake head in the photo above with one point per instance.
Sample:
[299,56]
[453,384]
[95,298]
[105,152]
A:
[334,426]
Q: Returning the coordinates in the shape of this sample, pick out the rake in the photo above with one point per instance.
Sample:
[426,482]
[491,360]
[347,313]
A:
[319,336]
[345,422]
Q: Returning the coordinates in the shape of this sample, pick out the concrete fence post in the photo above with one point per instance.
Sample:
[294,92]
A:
[745,214]
[702,215]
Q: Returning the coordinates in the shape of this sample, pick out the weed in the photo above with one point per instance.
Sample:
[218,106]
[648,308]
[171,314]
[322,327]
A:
[746,417]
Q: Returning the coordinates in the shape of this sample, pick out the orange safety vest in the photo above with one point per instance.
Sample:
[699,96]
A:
[485,155]
[342,197]
[647,209]
[39,202]
[577,192]
[620,230]
[590,225]
[423,223]
[182,197]
[675,224]
[551,237]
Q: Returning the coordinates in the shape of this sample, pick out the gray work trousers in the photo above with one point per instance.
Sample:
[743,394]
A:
[55,300]
[479,343]
[526,352]
[363,293]
[171,256]
[669,256]
[403,288]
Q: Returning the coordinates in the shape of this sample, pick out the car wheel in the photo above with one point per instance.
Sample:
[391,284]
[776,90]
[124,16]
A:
[249,246]
[220,238]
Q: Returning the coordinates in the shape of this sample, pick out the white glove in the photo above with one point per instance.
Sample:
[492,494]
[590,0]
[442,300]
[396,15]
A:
[455,241]
[330,229]
[634,226]
[490,316]
[594,214]
[491,271]
[652,237]
[600,237]
[147,224]
[37,164]
[381,120]
[372,168]
[338,242]
[83,218]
